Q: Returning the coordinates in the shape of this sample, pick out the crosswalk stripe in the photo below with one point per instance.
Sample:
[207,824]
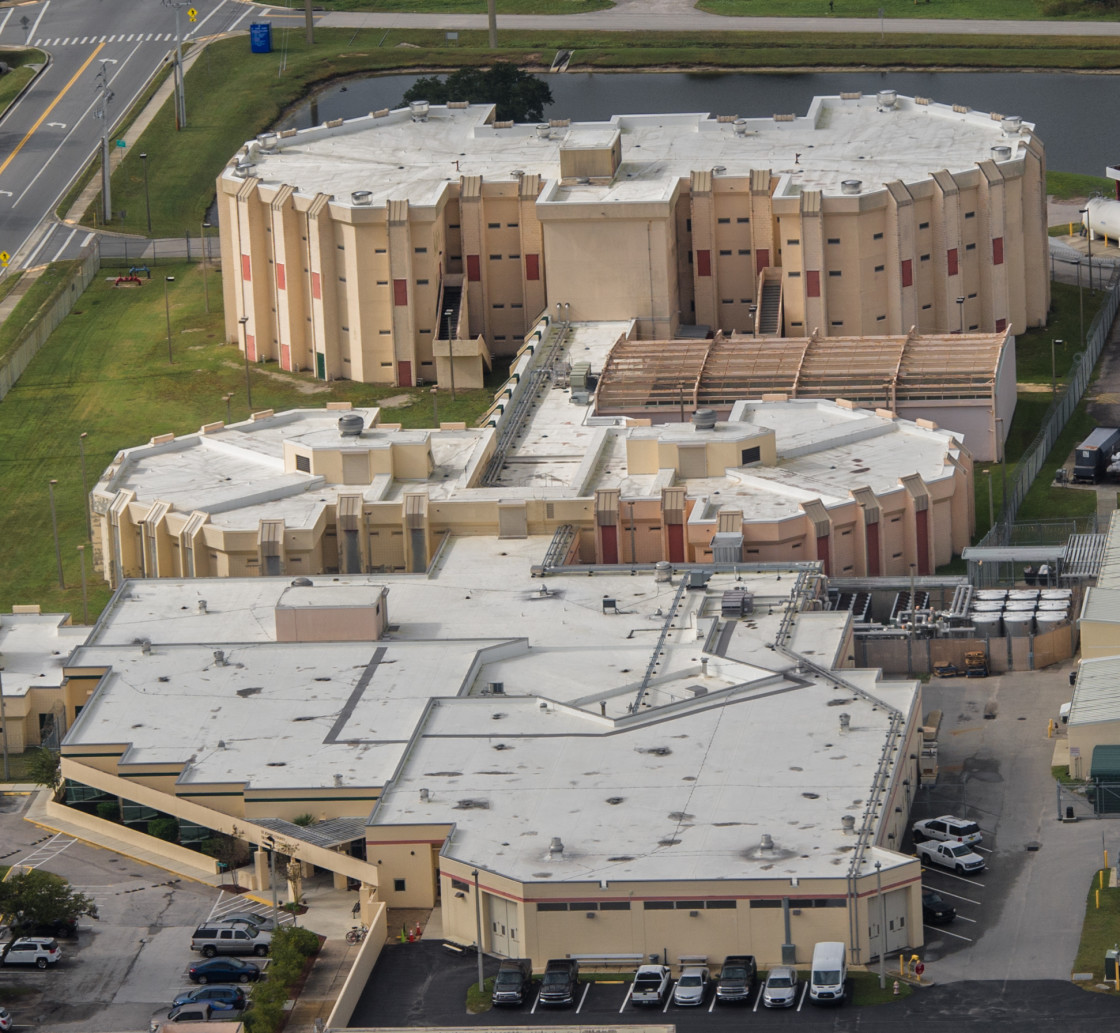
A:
[131,37]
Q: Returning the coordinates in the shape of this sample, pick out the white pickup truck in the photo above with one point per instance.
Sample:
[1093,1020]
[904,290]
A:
[651,985]
[958,856]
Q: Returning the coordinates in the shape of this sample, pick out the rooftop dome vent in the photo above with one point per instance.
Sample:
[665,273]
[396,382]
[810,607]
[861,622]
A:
[361,197]
[555,847]
[516,173]
[662,571]
[1001,152]
[740,126]
[886,98]
[302,582]
[704,419]
[848,823]
[269,142]
[419,110]
[351,424]
[851,186]
[767,842]
[718,169]
[1012,125]
[544,131]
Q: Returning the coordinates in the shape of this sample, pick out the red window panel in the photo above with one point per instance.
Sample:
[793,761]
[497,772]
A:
[872,550]
[532,267]
[921,522]
[1001,325]
[474,270]
[907,272]
[997,251]
[316,286]
[812,283]
[608,537]
[822,552]
[951,256]
[761,259]
[400,292]
[404,374]
[286,356]
[676,543]
[703,263]
[280,281]
[251,347]
[246,268]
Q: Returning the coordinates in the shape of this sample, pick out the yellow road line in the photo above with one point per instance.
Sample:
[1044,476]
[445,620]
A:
[43,116]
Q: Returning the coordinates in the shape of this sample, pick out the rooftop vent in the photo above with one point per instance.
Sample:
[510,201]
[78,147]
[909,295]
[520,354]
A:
[556,846]
[419,110]
[244,169]
[767,842]
[851,186]
[302,582]
[662,571]
[146,646]
[517,173]
[704,419]
[544,131]
[361,197]
[1001,152]
[337,781]
[886,98]
[497,688]
[350,425]
[202,606]
[220,658]
[425,796]
[845,722]
[1012,125]
[740,126]
[848,823]
[268,141]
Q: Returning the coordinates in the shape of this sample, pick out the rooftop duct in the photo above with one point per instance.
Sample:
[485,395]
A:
[361,197]
[886,98]
[1001,152]
[1012,125]
[544,131]
[351,424]
[704,419]
[851,186]
[419,110]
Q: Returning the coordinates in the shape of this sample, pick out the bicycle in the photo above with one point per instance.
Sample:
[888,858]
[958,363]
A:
[357,934]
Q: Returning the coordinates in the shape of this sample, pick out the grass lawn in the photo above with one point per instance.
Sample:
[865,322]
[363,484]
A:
[105,371]
[865,988]
[39,297]
[1067,185]
[244,97]
[20,62]
[998,9]
[1098,933]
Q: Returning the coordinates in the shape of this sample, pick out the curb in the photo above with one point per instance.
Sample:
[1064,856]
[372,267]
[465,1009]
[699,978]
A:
[30,82]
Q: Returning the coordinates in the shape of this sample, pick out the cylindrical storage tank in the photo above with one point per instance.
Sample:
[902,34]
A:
[1057,593]
[988,624]
[1019,624]
[1103,217]
[1049,619]
[1053,606]
[1018,606]
[987,606]
[990,593]
[1023,595]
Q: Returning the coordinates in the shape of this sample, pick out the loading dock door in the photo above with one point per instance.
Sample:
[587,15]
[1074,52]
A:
[504,934]
[897,926]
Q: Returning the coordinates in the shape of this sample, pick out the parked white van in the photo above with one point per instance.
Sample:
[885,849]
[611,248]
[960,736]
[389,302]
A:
[829,972]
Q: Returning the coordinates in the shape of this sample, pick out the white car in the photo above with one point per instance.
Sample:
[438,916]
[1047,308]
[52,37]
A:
[692,987]
[948,829]
[780,990]
[957,856]
[5,1020]
[33,950]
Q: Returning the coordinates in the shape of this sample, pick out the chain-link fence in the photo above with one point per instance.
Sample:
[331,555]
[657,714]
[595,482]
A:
[120,252]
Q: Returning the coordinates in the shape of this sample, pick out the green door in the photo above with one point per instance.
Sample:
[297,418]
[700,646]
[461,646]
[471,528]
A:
[320,366]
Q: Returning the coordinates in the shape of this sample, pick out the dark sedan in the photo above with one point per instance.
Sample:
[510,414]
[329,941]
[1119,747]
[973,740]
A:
[220,998]
[935,911]
[224,970]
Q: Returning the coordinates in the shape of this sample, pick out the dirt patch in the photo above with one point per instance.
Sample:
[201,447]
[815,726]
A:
[397,402]
[304,387]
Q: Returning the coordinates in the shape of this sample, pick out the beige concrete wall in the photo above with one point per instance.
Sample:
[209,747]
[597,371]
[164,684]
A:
[355,984]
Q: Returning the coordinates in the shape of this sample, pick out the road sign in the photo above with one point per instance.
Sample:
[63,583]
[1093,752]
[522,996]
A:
[192,14]
[121,143]
[920,968]
[5,258]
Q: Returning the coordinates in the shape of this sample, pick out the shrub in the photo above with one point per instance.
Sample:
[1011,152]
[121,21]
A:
[164,828]
[109,810]
[291,947]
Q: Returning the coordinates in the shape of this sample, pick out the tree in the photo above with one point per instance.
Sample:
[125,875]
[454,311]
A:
[44,769]
[520,96]
[33,898]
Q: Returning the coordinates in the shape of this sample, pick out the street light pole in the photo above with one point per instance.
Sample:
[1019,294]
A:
[205,289]
[245,348]
[85,486]
[167,311]
[4,727]
[478,927]
[180,85]
[1054,367]
[85,602]
[147,199]
[227,399]
[1089,242]
[54,524]
[272,880]
[103,114]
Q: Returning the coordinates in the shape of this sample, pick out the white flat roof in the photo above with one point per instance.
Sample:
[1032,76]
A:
[707,740]
[1096,696]
[837,140]
[33,650]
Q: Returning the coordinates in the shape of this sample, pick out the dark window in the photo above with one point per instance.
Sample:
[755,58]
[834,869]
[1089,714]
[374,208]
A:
[689,905]
[458,884]
[970,247]
[834,272]
[615,905]
[658,905]
[924,258]
[877,236]
[551,905]
[923,225]
[793,241]
[834,240]
[723,220]
[398,885]
[727,252]
[493,225]
[794,274]
[721,905]
[970,215]
[303,464]
[766,903]
[420,250]
[878,268]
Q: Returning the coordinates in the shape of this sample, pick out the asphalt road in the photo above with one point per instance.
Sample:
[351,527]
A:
[50,134]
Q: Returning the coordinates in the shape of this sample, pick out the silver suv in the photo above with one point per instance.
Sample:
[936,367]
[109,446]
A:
[209,940]
[33,950]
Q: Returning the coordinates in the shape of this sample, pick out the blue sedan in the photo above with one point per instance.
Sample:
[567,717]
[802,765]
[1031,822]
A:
[221,998]
[224,970]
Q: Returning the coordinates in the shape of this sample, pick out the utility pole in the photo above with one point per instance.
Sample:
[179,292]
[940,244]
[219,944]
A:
[103,114]
[180,92]
[492,24]
[308,21]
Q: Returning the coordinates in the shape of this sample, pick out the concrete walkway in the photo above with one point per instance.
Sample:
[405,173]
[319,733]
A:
[680,16]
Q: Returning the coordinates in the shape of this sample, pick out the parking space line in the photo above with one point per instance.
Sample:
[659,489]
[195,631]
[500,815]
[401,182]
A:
[757,1000]
[712,1006]
[959,878]
[804,991]
[668,1001]
[536,1001]
[626,999]
[957,896]
[962,918]
[956,936]
[586,991]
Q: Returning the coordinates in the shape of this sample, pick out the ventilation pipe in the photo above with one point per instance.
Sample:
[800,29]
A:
[845,722]
[202,606]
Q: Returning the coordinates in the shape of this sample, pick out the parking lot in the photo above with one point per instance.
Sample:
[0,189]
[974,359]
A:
[124,969]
